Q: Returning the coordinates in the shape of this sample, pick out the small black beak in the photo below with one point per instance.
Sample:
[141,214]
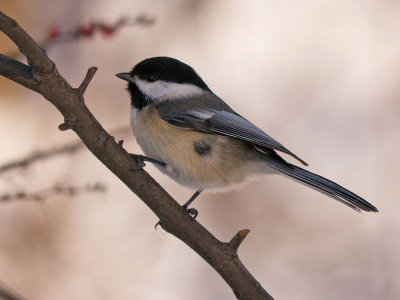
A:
[124,76]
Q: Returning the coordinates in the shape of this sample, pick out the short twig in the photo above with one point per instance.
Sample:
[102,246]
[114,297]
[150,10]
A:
[65,126]
[89,76]
[238,239]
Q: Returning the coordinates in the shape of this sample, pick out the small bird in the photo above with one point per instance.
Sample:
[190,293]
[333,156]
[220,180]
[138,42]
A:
[194,137]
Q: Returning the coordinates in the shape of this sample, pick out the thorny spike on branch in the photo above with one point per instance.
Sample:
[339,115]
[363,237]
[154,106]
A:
[52,86]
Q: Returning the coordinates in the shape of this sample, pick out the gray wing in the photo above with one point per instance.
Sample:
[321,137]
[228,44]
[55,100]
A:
[210,114]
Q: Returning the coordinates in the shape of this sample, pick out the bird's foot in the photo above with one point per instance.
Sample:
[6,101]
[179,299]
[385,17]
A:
[141,162]
[191,211]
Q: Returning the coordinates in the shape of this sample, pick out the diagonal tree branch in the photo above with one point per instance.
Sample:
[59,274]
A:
[51,85]
[18,72]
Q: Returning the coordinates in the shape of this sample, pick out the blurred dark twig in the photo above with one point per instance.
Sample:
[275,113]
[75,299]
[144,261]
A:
[7,294]
[56,151]
[39,155]
[56,35]
[87,30]
[58,189]
[222,256]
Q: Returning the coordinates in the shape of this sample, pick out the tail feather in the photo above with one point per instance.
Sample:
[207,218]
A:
[321,184]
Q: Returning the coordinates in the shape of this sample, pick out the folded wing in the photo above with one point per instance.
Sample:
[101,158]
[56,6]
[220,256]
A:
[218,118]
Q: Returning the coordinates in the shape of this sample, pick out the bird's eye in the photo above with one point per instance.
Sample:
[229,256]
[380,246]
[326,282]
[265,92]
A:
[151,78]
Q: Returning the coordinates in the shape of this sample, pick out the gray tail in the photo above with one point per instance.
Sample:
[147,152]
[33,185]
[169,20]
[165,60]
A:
[321,184]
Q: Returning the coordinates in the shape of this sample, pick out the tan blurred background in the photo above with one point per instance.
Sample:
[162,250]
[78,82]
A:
[322,77]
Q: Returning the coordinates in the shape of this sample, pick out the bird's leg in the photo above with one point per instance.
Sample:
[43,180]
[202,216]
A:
[192,211]
[141,162]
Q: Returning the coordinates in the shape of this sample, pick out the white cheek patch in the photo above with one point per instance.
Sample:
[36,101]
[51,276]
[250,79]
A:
[163,90]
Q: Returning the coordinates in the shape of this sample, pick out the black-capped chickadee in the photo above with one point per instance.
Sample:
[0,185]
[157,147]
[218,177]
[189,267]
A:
[202,143]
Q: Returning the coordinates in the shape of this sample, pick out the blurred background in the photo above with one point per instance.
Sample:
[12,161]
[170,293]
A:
[321,77]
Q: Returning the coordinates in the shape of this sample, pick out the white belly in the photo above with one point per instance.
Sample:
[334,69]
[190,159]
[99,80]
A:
[229,160]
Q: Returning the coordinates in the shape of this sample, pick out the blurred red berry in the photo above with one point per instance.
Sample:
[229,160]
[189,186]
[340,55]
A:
[54,32]
[86,30]
[106,29]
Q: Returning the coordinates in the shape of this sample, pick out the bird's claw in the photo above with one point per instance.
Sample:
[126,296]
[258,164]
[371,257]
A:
[157,224]
[139,165]
[193,212]
[141,162]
